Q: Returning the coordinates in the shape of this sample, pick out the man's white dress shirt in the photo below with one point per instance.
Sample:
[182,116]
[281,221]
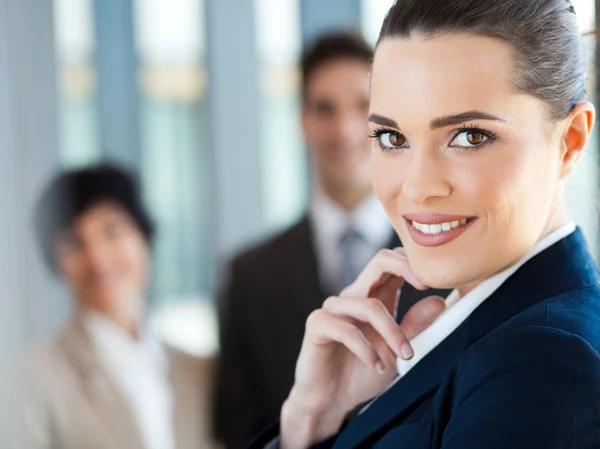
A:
[329,222]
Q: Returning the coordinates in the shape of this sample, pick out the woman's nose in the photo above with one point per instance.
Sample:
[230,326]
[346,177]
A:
[425,177]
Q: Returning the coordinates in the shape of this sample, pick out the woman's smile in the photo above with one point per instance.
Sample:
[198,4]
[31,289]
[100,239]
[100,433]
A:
[437,229]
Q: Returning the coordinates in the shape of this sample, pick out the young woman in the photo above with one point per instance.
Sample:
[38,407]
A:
[478,115]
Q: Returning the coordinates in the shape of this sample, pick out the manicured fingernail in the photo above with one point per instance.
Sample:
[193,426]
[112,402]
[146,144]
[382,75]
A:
[380,367]
[407,351]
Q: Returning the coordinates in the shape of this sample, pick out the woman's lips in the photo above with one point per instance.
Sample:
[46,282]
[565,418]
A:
[437,229]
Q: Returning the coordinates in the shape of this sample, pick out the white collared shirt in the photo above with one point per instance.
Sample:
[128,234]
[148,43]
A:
[459,309]
[140,371]
[329,222]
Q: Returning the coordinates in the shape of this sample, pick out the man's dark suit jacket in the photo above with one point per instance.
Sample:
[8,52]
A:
[523,371]
[270,293]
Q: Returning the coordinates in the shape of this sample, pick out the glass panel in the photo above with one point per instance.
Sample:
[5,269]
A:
[284,158]
[77,82]
[586,14]
[373,13]
[175,168]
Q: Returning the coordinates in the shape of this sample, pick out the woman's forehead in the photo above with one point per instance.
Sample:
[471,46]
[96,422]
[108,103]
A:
[443,74]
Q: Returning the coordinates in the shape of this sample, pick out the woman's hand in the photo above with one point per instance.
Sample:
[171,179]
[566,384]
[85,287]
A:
[350,347]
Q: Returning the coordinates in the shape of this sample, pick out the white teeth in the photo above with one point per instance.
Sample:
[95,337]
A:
[435,228]
[439,227]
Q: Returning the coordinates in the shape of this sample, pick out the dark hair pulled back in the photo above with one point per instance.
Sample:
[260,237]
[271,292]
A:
[548,50]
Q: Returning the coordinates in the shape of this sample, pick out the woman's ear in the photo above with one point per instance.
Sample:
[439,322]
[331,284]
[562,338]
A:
[579,126]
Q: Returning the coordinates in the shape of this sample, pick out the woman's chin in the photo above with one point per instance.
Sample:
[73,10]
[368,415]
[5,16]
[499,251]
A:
[438,277]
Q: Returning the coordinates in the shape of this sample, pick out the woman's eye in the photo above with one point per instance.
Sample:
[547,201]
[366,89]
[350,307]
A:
[469,139]
[392,140]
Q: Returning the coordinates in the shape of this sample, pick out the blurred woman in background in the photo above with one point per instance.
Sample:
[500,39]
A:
[105,382]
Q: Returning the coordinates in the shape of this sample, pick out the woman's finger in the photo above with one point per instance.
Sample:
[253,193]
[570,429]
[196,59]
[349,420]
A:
[372,312]
[400,251]
[384,264]
[420,316]
[323,328]
[388,291]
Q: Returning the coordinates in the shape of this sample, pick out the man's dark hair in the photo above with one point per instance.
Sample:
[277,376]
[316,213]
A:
[72,193]
[329,47]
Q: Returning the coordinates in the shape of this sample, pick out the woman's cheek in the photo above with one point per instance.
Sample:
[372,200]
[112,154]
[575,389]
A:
[387,181]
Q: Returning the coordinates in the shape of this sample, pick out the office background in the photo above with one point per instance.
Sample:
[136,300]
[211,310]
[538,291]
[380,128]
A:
[200,97]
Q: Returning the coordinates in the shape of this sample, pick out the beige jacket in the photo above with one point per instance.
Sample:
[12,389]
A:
[63,399]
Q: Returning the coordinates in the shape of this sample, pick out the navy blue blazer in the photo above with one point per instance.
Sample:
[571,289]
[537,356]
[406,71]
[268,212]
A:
[523,371]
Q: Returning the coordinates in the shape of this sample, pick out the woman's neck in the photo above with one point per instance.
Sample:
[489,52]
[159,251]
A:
[130,325]
[558,221]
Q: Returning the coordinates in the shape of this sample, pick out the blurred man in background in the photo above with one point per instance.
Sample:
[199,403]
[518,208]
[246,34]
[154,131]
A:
[273,288]
[105,382]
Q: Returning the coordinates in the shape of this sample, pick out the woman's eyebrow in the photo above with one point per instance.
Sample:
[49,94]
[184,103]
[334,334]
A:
[440,122]
[457,119]
[383,121]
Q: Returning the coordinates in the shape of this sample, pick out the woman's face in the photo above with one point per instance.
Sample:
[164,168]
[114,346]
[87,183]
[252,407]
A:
[104,258]
[469,170]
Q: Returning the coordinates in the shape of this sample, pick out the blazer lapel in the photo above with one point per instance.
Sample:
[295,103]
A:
[420,381]
[104,398]
[306,265]
[189,378]
[538,279]
[178,381]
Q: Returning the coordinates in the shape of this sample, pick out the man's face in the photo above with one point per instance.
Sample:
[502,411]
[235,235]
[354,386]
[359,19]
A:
[334,118]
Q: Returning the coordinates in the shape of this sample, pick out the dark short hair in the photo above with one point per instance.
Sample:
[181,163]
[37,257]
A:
[329,47]
[72,193]
[548,50]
